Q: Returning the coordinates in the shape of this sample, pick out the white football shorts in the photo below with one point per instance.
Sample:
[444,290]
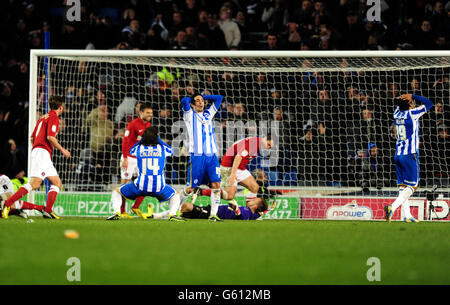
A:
[131,171]
[225,172]
[41,164]
[6,185]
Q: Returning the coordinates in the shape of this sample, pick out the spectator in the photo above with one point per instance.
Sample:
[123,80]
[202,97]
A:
[212,35]
[179,42]
[229,28]
[275,16]
[177,25]
[370,172]
[272,42]
[14,160]
[101,131]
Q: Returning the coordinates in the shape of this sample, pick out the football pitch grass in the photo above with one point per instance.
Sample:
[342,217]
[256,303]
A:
[268,252]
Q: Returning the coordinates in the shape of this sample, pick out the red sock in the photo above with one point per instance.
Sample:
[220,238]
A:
[31,206]
[138,202]
[122,207]
[17,195]
[206,192]
[51,198]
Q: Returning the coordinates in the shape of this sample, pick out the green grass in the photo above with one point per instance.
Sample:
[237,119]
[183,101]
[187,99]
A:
[233,252]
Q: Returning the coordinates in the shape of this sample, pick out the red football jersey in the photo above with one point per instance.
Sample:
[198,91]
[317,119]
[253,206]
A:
[133,133]
[45,127]
[247,148]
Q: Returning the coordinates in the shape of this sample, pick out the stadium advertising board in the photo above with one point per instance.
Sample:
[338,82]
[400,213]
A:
[368,208]
[98,204]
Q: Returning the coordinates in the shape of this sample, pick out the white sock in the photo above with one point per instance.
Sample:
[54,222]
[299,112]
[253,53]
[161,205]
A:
[183,197]
[161,215]
[402,198]
[215,201]
[116,201]
[174,204]
[406,209]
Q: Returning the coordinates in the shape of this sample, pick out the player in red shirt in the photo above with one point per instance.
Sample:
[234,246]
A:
[233,168]
[6,191]
[43,140]
[129,169]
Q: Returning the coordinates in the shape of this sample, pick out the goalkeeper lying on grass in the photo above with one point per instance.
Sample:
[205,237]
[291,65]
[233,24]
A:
[255,208]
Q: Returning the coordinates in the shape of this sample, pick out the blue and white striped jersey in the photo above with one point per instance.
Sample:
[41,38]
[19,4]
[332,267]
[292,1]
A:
[407,125]
[151,161]
[200,129]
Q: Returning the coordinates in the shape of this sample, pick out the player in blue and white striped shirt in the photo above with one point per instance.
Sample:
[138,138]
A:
[151,153]
[203,165]
[406,117]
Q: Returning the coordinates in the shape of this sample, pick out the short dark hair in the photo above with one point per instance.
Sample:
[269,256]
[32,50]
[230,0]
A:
[402,104]
[150,136]
[144,106]
[55,102]
[194,95]
[262,206]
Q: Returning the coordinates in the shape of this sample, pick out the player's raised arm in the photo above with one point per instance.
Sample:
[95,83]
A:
[217,101]
[186,104]
[426,102]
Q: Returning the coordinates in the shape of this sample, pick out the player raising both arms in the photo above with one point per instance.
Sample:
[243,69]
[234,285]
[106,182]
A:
[203,165]
[151,153]
[129,169]
[407,153]
[6,191]
[43,140]
[233,168]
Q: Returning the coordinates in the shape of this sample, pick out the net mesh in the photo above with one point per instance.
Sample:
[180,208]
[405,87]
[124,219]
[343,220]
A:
[333,115]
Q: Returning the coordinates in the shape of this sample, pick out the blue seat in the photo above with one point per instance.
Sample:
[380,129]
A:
[290,178]
[273,177]
[111,12]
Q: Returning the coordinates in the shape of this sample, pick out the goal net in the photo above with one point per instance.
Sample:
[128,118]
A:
[330,113]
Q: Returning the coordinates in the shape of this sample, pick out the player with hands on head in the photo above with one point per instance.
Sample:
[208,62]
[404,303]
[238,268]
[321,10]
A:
[43,139]
[203,167]
[406,117]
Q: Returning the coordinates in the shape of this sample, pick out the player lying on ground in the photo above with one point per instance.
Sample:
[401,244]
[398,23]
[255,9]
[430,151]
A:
[233,168]
[43,139]
[151,153]
[128,168]
[255,208]
[6,191]
[406,159]
[203,164]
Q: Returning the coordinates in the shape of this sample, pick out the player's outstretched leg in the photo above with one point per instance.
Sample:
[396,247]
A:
[174,205]
[407,213]
[215,201]
[116,202]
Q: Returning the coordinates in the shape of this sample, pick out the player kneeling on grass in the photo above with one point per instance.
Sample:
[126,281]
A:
[151,153]
[6,192]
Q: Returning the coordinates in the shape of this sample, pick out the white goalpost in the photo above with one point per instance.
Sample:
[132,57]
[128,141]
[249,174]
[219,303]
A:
[330,113]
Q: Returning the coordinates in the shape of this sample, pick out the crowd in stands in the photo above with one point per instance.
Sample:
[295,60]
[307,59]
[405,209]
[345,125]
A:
[335,128]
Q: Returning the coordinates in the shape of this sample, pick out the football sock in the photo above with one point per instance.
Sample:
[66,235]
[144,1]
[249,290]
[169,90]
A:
[174,204]
[29,206]
[161,215]
[51,198]
[19,194]
[402,198]
[138,202]
[116,201]
[183,196]
[406,209]
[215,201]
[206,192]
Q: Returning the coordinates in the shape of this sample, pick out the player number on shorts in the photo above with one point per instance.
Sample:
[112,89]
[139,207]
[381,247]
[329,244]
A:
[401,130]
[151,165]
